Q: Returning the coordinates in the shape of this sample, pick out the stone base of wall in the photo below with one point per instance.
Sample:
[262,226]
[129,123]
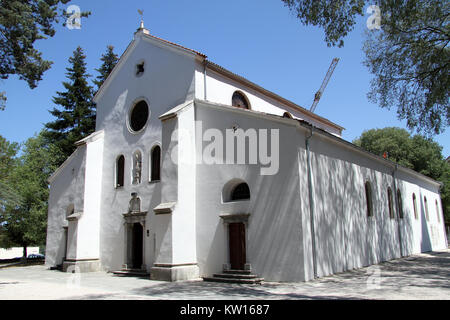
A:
[82,266]
[173,272]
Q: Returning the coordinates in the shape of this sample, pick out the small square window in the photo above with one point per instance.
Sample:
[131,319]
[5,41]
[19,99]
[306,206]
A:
[140,69]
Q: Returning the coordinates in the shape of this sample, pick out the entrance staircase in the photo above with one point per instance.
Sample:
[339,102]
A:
[235,276]
[132,273]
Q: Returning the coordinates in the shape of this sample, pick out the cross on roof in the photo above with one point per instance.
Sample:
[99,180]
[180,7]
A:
[141,13]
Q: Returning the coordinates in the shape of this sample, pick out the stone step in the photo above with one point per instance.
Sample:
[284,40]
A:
[235,275]
[234,280]
[131,273]
[235,271]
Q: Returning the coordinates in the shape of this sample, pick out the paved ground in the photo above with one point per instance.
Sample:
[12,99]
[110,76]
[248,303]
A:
[424,276]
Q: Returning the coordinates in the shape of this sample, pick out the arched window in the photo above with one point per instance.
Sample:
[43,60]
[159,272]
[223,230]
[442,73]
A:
[400,204]
[155,170]
[369,199]
[120,171]
[240,192]
[426,208]
[239,100]
[437,212]
[287,115]
[390,203]
[415,206]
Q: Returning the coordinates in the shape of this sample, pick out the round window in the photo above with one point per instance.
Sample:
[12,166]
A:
[139,116]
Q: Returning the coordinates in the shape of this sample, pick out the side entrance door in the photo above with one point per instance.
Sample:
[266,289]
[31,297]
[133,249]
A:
[237,245]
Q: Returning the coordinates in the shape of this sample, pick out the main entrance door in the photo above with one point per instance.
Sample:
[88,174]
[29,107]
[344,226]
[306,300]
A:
[137,246]
[237,245]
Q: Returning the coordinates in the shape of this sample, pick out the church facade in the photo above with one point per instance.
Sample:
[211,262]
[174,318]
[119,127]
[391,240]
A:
[194,170]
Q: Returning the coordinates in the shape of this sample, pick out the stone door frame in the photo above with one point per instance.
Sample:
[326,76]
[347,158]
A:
[130,220]
[236,218]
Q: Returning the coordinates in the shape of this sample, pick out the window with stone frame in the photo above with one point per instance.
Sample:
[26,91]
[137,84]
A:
[369,203]
[155,159]
[437,212]
[139,116]
[390,203]
[416,215]
[400,204]
[120,171]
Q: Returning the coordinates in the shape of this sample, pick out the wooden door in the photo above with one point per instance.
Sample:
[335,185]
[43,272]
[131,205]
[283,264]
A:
[237,246]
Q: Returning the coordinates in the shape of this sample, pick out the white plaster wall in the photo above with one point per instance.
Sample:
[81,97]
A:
[162,224]
[168,81]
[184,217]
[66,189]
[346,237]
[279,235]
[220,89]
[429,234]
[88,238]
[274,235]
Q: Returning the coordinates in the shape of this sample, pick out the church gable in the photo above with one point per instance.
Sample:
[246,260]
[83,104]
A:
[151,69]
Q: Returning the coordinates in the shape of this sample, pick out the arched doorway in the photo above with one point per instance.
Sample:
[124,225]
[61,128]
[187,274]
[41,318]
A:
[237,223]
[134,226]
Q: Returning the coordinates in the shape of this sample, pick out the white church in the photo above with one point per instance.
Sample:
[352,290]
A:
[196,172]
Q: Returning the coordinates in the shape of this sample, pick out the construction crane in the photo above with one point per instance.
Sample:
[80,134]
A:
[319,93]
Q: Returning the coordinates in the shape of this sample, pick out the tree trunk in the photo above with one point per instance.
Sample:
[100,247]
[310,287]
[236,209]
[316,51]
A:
[24,258]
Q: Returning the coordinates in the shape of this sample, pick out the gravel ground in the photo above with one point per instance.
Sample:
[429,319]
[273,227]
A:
[424,276]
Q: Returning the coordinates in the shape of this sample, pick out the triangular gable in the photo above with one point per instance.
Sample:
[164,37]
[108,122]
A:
[143,35]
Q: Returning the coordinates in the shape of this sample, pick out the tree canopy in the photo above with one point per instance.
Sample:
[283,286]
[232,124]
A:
[75,117]
[23,218]
[409,56]
[416,152]
[8,151]
[109,61]
[22,23]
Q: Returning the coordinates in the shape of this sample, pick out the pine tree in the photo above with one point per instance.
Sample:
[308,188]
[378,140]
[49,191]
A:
[76,117]
[109,60]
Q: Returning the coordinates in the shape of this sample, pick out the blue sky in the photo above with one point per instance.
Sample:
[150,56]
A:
[260,40]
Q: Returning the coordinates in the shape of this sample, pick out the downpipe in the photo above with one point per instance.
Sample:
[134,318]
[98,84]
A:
[205,64]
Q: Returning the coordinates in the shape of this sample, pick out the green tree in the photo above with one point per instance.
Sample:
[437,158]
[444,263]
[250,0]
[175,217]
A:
[24,220]
[21,24]
[8,152]
[8,162]
[75,119]
[409,56]
[415,152]
[109,60]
